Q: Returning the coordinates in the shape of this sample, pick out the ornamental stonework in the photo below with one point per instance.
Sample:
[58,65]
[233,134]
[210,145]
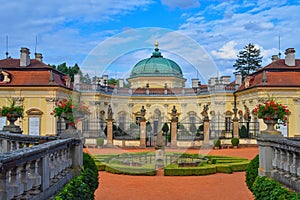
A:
[297,100]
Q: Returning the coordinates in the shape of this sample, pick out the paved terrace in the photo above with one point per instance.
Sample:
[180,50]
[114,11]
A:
[159,187]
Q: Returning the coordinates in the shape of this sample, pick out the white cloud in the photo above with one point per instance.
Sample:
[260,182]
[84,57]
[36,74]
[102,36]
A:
[227,51]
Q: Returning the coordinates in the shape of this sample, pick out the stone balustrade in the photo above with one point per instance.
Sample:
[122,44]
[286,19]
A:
[10,141]
[37,171]
[279,159]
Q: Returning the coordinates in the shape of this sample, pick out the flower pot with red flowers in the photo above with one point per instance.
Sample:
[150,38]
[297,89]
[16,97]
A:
[272,113]
[12,113]
[70,112]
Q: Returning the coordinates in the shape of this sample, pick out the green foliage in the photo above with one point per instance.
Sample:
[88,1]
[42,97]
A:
[243,132]
[271,109]
[148,127]
[217,143]
[224,169]
[145,170]
[235,141]
[252,172]
[248,61]
[165,128]
[69,70]
[169,137]
[100,142]
[76,189]
[133,125]
[84,185]
[180,126]
[174,170]
[200,130]
[12,110]
[265,189]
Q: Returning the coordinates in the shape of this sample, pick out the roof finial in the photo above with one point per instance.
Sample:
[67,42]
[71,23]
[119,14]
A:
[156,44]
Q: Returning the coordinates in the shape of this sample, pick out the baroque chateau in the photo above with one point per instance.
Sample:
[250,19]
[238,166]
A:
[156,89]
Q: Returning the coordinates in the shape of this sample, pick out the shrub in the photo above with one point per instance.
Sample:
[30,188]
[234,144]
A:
[165,128]
[265,188]
[169,137]
[235,141]
[252,172]
[217,143]
[84,185]
[100,142]
[243,132]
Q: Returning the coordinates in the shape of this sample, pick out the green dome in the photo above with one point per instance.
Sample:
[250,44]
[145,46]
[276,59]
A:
[155,66]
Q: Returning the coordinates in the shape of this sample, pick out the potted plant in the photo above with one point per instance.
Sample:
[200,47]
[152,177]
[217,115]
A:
[70,112]
[235,142]
[217,143]
[272,113]
[100,142]
[12,113]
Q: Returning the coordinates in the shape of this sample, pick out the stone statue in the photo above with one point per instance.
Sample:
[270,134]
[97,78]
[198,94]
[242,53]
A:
[205,112]
[174,113]
[109,112]
[143,112]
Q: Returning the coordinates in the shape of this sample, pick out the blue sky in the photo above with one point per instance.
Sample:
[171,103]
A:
[73,31]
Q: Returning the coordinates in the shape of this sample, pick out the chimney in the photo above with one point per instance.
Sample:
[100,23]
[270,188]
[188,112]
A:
[238,79]
[121,83]
[275,58]
[195,82]
[39,57]
[24,57]
[290,57]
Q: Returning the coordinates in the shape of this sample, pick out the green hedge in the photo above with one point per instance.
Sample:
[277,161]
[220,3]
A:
[224,169]
[174,170]
[266,189]
[145,170]
[84,185]
[252,172]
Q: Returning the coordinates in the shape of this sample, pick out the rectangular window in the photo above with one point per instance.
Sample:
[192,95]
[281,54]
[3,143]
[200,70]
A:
[227,124]
[2,122]
[34,126]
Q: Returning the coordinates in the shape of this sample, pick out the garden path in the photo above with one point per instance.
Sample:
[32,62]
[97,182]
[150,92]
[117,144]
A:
[217,186]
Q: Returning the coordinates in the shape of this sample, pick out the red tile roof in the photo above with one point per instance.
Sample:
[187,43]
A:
[36,74]
[278,74]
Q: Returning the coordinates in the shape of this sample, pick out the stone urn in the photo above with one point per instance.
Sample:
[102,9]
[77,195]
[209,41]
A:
[12,127]
[270,126]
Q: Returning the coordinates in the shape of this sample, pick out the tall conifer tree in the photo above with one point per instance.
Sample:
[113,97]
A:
[248,60]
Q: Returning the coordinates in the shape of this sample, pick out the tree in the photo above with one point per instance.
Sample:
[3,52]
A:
[165,128]
[248,61]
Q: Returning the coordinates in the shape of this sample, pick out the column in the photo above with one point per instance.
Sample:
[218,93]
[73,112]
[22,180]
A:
[109,128]
[206,125]
[174,133]
[143,133]
[236,128]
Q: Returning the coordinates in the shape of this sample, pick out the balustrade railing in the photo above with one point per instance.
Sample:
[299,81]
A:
[280,160]
[35,169]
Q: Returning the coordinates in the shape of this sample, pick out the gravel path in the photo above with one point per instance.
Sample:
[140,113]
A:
[159,187]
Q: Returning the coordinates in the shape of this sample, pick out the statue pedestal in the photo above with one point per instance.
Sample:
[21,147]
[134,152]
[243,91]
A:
[160,157]
[13,129]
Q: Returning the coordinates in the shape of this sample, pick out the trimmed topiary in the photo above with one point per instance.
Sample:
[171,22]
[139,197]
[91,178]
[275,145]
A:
[243,132]
[252,172]
[235,142]
[217,143]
